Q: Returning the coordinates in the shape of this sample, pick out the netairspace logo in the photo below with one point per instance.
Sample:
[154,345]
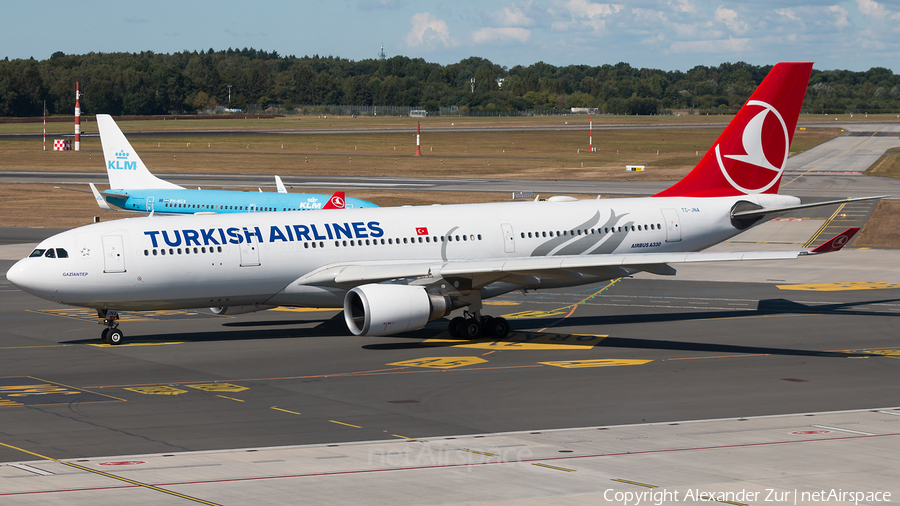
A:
[425,454]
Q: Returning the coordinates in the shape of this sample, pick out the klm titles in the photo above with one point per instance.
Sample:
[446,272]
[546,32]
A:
[287,233]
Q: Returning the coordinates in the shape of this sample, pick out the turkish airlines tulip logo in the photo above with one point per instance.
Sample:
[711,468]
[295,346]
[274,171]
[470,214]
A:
[337,202]
[765,150]
[840,241]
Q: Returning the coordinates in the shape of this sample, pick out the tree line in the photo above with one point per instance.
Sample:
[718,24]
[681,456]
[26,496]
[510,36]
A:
[149,83]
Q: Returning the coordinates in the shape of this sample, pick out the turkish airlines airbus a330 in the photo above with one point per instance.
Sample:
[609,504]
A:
[394,269]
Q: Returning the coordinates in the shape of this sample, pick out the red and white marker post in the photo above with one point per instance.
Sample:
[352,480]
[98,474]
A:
[77,118]
[591,134]
[418,147]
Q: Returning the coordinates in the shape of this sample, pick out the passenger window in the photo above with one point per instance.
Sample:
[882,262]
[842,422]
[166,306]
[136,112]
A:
[36,253]
[154,252]
[50,253]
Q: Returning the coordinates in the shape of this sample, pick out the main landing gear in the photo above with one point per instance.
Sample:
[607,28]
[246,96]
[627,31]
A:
[473,326]
[111,334]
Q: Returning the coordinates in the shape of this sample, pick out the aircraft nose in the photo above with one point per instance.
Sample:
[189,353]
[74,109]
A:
[17,275]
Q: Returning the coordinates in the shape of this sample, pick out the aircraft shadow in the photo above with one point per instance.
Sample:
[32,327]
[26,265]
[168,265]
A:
[246,331]
[764,307]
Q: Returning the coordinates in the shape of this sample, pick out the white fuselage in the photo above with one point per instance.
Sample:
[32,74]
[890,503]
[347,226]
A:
[245,259]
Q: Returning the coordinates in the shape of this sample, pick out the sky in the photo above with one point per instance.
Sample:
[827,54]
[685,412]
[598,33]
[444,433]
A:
[662,34]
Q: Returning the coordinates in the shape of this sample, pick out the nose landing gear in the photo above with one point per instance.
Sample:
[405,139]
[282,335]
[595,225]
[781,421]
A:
[111,334]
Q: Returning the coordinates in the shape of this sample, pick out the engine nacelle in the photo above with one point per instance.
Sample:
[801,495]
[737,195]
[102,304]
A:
[382,310]
[233,310]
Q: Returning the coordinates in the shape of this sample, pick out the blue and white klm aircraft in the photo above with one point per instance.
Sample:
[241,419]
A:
[134,188]
[394,269]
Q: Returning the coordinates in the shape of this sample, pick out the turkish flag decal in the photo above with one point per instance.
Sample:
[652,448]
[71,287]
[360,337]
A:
[421,230]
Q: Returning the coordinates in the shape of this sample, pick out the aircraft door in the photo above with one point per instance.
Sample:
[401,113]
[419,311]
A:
[249,251]
[113,253]
[150,201]
[509,240]
[673,226]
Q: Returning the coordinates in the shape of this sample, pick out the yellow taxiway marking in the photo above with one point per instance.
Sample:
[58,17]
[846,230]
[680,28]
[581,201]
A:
[285,410]
[347,424]
[526,341]
[104,345]
[888,353]
[634,483]
[230,398]
[553,467]
[440,362]
[524,315]
[409,438]
[158,390]
[306,309]
[30,391]
[500,303]
[555,312]
[218,387]
[479,453]
[113,476]
[603,362]
[837,287]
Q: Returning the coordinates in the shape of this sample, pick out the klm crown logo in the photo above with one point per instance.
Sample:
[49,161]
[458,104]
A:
[121,162]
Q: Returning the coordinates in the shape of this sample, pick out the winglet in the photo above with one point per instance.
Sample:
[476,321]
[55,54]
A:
[335,202]
[837,242]
[280,185]
[100,200]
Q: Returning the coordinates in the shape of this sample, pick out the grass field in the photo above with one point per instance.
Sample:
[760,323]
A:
[668,154]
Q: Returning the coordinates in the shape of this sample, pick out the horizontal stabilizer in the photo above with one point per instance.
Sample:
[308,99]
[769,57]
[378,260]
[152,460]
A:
[837,242]
[754,213]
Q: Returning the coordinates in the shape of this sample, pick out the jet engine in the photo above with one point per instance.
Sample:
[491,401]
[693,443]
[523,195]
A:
[382,310]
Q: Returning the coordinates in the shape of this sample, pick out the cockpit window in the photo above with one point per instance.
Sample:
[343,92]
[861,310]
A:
[50,253]
[36,253]
[61,253]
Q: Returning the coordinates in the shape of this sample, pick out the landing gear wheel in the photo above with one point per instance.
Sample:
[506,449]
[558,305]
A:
[453,328]
[486,326]
[496,327]
[470,329]
[115,336]
[104,336]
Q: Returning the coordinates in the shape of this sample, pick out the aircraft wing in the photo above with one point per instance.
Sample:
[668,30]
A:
[522,270]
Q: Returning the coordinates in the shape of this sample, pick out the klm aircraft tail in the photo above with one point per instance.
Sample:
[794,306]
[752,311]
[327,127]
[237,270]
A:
[124,167]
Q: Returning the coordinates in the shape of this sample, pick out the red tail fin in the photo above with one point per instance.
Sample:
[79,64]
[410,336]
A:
[750,155]
[336,201]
